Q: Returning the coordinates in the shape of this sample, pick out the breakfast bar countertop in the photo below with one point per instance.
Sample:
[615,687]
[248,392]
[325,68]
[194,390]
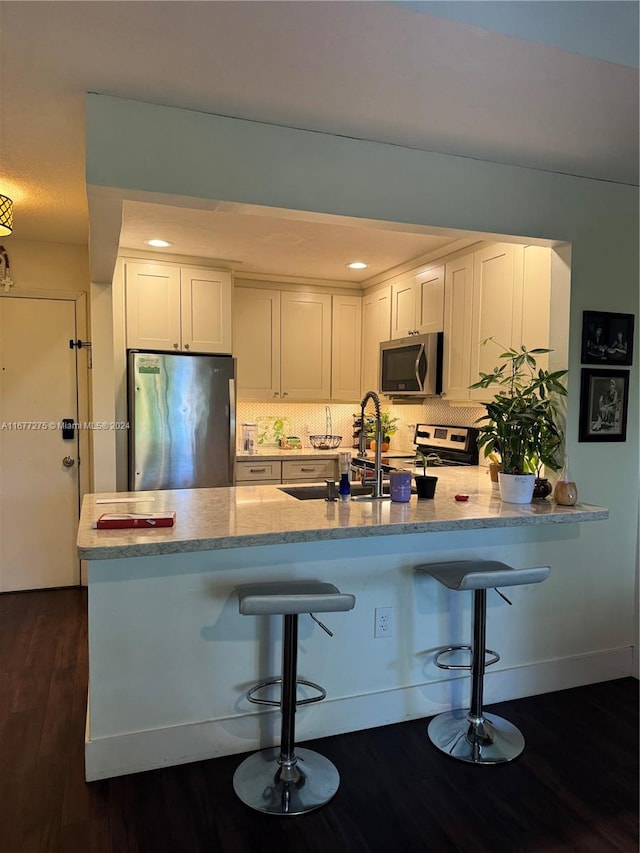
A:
[246,516]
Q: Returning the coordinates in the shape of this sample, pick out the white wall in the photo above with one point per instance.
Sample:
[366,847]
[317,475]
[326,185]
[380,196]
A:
[47,266]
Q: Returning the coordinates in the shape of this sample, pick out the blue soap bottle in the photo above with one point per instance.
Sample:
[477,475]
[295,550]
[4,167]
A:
[344,487]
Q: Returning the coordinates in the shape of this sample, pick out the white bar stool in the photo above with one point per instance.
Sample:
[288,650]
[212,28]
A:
[477,737]
[287,781]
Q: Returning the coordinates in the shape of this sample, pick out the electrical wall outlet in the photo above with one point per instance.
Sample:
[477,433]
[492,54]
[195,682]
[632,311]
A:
[383,626]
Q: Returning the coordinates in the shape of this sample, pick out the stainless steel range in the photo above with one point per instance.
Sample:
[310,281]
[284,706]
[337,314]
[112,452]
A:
[447,445]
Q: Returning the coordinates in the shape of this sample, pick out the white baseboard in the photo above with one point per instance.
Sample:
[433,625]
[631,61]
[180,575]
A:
[134,752]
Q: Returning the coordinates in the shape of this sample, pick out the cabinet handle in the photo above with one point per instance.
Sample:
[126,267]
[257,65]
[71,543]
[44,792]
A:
[307,470]
[175,346]
[276,393]
[186,346]
[285,393]
[257,470]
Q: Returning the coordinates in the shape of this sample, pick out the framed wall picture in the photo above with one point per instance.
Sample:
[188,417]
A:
[604,396]
[607,338]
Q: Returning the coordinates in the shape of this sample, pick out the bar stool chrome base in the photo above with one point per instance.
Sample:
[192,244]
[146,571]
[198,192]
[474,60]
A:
[267,785]
[473,736]
[488,739]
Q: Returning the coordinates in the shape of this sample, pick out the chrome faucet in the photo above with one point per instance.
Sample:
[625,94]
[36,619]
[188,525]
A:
[376,480]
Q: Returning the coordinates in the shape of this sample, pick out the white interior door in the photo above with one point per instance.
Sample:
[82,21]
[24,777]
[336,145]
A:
[39,482]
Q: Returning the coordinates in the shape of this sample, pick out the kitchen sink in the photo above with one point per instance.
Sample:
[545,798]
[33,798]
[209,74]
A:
[317,493]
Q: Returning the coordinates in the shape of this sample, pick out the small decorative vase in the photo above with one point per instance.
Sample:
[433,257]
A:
[516,488]
[565,492]
[494,470]
[542,488]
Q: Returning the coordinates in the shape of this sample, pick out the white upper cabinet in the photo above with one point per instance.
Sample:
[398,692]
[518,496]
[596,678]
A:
[429,290]
[205,303]
[376,327]
[256,342]
[457,328]
[305,367]
[346,347]
[152,294]
[497,308]
[282,341]
[500,291]
[417,302]
[174,309]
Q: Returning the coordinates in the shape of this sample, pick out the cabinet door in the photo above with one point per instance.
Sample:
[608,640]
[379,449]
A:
[497,308]
[429,299]
[206,310]
[152,306]
[346,347]
[258,472]
[309,471]
[305,369]
[256,342]
[376,327]
[536,301]
[458,303]
[403,307]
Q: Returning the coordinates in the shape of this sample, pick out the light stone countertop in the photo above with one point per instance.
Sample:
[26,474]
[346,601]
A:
[244,516]
[299,453]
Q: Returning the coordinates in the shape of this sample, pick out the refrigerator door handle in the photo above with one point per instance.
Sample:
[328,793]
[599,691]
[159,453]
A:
[232,431]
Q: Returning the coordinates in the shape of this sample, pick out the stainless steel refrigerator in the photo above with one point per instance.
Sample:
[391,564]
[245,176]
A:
[182,420]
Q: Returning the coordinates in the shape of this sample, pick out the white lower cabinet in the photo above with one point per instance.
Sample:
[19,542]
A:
[263,472]
[273,471]
[309,470]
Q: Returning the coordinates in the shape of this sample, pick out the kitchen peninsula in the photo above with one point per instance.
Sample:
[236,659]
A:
[170,660]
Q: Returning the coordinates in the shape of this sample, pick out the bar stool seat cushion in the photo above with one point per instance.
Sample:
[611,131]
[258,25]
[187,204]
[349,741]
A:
[483,574]
[289,597]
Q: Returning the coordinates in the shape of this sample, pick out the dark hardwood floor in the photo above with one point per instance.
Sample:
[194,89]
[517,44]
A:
[575,788]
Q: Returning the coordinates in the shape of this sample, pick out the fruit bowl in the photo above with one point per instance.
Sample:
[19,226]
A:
[325,442]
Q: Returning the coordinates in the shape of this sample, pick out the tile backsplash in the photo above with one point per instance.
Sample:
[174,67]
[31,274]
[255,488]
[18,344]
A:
[305,419]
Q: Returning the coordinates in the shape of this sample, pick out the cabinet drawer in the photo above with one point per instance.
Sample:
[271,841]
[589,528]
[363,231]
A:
[249,472]
[311,470]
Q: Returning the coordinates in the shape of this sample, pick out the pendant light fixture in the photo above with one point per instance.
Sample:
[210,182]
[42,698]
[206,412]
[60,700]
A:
[6,215]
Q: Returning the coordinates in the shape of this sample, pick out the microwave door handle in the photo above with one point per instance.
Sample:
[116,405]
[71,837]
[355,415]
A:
[420,382]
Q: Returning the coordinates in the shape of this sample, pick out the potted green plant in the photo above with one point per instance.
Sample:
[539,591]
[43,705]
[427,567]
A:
[389,428]
[425,483]
[521,423]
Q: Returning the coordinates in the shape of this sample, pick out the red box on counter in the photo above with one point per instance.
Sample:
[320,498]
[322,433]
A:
[115,520]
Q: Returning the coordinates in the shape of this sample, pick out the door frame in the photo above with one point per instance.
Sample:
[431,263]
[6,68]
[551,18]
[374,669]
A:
[83,366]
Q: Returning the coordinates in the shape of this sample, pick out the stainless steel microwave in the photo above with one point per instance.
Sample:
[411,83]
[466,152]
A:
[411,367]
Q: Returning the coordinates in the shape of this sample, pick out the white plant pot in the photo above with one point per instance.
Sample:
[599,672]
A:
[516,488]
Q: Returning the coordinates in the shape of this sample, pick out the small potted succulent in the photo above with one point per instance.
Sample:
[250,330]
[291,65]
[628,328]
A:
[521,423]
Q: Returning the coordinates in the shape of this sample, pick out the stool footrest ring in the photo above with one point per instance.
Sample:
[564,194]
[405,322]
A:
[491,657]
[258,701]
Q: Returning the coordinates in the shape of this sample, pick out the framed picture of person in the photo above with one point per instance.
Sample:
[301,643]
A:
[607,338]
[604,396]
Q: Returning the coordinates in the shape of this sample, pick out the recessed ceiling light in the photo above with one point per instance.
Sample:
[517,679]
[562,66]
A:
[357,265]
[158,244]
